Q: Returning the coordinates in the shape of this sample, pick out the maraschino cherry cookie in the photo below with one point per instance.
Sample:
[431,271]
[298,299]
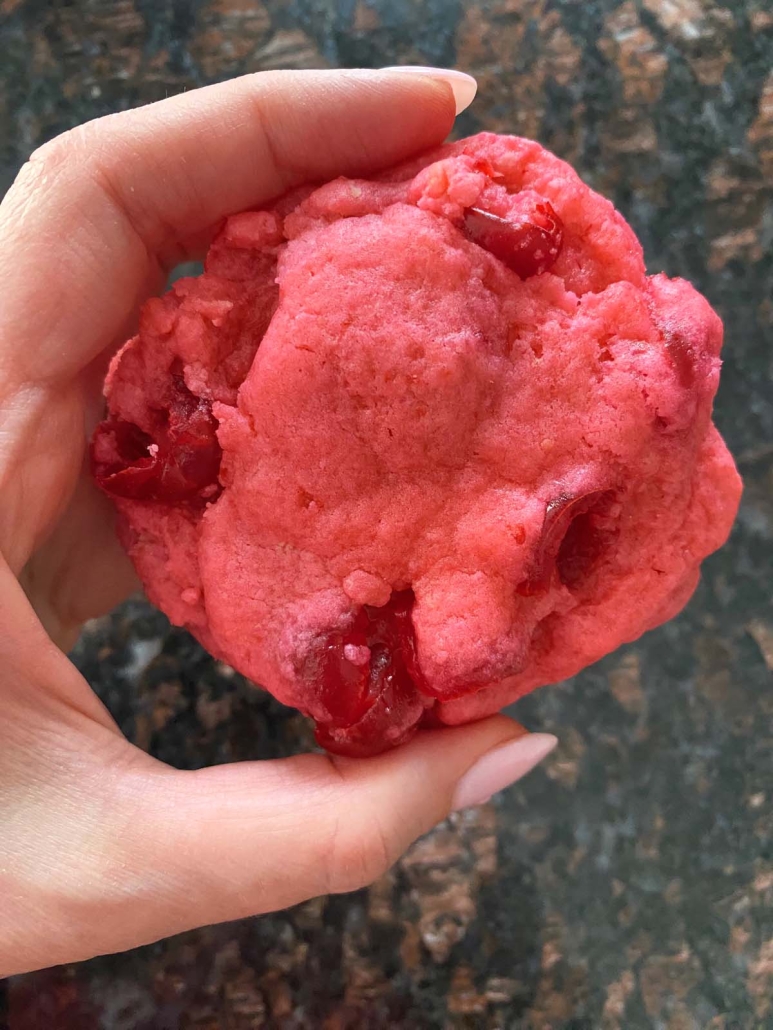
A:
[410,448]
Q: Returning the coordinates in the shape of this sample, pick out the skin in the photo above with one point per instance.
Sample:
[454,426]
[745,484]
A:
[103,847]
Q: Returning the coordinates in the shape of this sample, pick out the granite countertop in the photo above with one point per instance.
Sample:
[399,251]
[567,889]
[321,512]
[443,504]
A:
[628,883]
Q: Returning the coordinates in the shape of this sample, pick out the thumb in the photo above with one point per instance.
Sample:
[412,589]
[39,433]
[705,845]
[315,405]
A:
[109,849]
[236,840]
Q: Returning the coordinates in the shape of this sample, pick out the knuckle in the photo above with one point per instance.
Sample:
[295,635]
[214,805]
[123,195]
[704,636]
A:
[356,855]
[79,166]
[82,151]
[55,155]
[47,165]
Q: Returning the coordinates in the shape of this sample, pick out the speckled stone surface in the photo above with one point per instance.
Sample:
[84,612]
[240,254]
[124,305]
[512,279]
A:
[629,883]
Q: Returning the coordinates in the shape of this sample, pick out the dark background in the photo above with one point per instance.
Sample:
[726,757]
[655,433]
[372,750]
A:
[629,882]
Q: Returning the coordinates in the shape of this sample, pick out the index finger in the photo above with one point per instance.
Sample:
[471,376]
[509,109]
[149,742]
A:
[97,213]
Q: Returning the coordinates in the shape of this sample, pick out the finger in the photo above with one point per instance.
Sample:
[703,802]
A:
[236,840]
[96,211]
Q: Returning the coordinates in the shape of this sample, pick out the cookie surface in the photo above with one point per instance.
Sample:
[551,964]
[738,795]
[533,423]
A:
[410,448]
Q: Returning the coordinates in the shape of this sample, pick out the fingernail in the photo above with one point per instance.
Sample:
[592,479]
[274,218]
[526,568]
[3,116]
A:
[463,85]
[499,768]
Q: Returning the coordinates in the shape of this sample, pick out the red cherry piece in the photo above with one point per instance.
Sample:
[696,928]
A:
[574,533]
[123,462]
[179,462]
[368,679]
[528,240]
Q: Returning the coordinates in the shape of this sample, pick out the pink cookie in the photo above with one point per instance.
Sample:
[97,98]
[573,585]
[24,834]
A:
[410,448]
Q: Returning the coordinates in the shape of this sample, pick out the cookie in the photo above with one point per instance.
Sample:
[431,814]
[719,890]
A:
[412,447]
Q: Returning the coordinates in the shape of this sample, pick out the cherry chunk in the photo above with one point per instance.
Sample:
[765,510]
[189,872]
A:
[367,677]
[575,533]
[178,462]
[528,240]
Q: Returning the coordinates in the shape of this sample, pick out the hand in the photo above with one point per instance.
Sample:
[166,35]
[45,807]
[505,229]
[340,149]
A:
[102,847]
